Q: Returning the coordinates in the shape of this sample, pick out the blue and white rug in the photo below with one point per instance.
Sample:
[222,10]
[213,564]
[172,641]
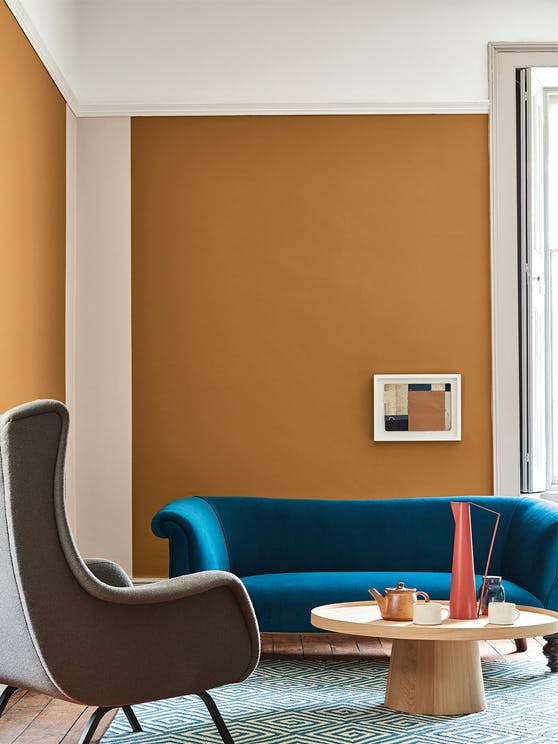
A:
[341,702]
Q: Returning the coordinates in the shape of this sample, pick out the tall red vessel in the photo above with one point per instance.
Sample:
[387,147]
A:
[463,594]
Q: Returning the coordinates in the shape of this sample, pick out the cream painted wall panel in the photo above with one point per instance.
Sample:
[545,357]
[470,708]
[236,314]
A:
[71,306]
[174,52]
[101,409]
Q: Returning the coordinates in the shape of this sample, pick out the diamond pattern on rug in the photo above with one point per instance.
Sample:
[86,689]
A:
[341,702]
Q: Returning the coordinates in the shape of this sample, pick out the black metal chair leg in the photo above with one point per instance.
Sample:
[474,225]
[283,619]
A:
[216,716]
[5,696]
[92,724]
[132,720]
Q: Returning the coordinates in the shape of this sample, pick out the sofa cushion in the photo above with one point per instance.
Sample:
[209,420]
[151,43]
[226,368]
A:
[283,601]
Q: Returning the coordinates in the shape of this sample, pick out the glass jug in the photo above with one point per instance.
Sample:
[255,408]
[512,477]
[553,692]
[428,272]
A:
[493,592]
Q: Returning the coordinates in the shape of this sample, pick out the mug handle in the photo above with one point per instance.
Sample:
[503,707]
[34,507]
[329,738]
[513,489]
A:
[446,610]
[517,614]
[425,595]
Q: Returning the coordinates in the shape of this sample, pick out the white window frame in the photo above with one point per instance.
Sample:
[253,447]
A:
[503,60]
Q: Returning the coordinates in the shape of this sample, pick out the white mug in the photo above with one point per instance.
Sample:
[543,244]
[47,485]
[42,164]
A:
[502,613]
[429,613]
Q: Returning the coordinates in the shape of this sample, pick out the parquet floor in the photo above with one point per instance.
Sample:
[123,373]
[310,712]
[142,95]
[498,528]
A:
[32,718]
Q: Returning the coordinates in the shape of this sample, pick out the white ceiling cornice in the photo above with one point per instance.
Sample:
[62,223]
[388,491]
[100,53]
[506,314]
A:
[270,57]
[37,42]
[285,109]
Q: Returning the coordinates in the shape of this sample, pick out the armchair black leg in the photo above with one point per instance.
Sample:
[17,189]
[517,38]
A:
[550,650]
[521,644]
[5,696]
[132,720]
[92,724]
[100,713]
[216,716]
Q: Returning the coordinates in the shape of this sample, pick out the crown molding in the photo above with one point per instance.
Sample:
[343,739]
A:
[36,41]
[266,108]
[271,108]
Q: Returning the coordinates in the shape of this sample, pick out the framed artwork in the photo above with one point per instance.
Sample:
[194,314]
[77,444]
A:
[412,408]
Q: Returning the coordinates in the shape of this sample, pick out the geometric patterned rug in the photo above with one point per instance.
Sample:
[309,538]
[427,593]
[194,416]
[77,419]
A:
[341,702]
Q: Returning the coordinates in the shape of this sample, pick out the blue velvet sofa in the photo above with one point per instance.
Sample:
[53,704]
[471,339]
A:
[293,554]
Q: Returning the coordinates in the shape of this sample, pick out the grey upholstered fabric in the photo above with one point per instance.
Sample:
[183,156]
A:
[74,635]
[108,572]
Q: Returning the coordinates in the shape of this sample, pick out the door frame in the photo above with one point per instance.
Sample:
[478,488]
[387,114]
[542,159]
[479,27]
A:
[504,58]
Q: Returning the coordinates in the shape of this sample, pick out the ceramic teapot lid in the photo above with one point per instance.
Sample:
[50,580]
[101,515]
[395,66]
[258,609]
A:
[400,588]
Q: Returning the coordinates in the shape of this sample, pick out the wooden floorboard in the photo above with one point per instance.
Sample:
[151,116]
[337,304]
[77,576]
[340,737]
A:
[73,735]
[52,724]
[32,718]
[267,645]
[344,647]
[19,716]
[287,645]
[316,645]
[370,647]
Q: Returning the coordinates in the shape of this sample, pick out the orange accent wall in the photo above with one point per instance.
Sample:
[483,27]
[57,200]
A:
[277,263]
[32,222]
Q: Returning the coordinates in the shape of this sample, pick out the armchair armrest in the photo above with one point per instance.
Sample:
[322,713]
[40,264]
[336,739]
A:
[172,590]
[530,556]
[178,636]
[195,535]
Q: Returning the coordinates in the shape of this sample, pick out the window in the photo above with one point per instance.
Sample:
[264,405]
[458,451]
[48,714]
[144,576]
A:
[537,199]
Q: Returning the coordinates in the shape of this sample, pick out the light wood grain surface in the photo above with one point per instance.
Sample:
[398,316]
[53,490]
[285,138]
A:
[436,679]
[364,619]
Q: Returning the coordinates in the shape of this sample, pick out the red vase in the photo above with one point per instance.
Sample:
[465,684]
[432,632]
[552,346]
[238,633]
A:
[463,593]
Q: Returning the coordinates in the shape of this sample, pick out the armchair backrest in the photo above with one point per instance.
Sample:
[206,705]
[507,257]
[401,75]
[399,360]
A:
[39,563]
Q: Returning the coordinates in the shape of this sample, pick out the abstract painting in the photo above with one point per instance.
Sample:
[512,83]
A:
[417,407]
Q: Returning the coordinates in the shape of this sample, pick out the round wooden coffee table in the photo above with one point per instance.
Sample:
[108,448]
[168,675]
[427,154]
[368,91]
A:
[434,669]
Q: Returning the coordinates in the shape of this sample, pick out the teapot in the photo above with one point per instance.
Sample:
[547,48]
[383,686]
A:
[397,604]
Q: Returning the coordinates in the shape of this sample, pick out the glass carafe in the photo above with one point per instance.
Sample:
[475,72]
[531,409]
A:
[493,592]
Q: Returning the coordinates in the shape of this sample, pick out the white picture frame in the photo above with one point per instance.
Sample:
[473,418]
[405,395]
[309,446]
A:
[452,434]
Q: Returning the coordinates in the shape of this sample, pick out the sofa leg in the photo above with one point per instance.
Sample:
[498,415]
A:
[216,716]
[550,650]
[5,696]
[521,644]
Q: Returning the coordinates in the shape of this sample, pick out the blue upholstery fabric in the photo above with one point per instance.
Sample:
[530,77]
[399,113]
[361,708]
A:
[283,601]
[285,535]
[295,554]
[532,547]
[196,539]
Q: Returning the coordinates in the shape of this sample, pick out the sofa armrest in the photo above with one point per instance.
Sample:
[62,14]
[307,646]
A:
[195,535]
[530,556]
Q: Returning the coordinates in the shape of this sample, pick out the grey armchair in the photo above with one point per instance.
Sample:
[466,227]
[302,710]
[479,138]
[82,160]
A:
[84,633]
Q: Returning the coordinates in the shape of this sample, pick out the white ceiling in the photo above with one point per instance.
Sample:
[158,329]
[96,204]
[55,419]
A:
[228,56]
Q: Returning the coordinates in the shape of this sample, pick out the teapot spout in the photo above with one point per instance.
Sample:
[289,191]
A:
[380,599]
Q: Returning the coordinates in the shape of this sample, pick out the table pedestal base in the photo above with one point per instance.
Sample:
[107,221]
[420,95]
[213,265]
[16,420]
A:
[440,678]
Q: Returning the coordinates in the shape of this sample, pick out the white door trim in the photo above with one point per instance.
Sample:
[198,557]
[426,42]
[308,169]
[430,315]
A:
[504,58]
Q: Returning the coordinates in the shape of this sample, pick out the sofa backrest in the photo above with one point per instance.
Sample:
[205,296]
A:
[291,535]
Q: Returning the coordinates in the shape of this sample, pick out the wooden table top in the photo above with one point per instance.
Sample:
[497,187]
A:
[364,619]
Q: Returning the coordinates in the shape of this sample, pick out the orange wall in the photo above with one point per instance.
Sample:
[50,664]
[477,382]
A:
[278,262]
[32,222]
